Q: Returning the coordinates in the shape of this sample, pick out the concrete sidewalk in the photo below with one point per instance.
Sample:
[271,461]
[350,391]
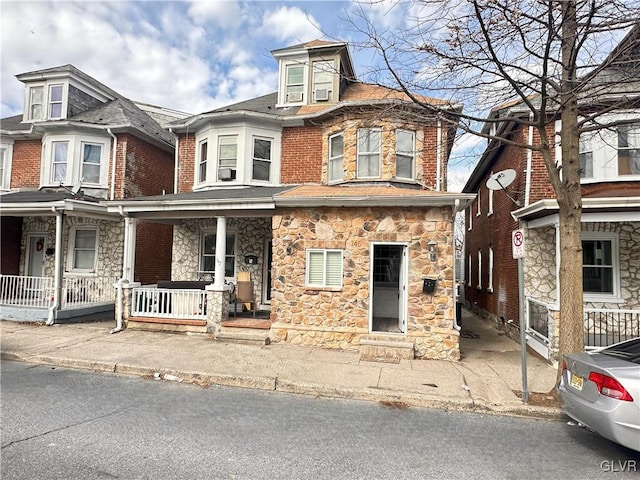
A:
[483,381]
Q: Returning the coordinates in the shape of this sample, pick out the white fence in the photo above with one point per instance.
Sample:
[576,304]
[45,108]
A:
[22,291]
[169,303]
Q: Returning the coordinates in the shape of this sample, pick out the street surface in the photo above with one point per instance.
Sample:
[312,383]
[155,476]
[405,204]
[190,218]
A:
[65,424]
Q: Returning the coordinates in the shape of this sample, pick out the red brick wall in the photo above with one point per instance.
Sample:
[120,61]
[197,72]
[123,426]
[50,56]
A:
[11,228]
[430,158]
[186,162]
[301,160]
[153,252]
[494,231]
[148,169]
[25,163]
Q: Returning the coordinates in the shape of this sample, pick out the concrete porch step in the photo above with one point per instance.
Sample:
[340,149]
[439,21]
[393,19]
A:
[385,348]
[174,325]
[252,336]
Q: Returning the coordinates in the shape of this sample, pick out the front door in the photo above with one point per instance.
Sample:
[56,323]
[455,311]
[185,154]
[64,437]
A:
[389,288]
[35,255]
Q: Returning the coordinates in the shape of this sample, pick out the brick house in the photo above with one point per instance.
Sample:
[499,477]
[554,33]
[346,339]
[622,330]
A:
[322,206]
[610,183]
[77,144]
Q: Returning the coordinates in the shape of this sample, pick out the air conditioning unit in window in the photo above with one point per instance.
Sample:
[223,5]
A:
[294,97]
[322,94]
[226,174]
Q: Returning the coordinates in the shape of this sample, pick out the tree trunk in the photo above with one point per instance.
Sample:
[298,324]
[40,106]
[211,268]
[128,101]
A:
[571,324]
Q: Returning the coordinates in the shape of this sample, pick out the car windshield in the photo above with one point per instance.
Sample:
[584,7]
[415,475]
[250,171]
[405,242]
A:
[627,350]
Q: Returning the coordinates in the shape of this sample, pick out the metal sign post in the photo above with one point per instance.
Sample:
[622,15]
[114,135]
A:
[518,250]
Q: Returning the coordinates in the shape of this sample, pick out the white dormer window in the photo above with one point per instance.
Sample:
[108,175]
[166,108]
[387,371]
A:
[46,101]
[55,101]
[36,97]
[323,80]
[294,89]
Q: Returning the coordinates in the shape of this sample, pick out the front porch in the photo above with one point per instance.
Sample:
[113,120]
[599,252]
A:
[82,298]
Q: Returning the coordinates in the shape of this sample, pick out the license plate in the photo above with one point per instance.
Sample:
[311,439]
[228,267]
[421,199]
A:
[576,381]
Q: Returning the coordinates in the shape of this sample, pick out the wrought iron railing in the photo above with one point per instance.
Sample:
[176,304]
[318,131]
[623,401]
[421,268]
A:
[604,327]
[169,303]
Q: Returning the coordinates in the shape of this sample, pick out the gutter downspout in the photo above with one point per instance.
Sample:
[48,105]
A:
[113,164]
[126,272]
[57,274]
[456,287]
[439,155]
[175,163]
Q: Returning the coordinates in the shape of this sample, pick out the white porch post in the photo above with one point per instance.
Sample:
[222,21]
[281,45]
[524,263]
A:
[221,252]
[57,272]
[129,260]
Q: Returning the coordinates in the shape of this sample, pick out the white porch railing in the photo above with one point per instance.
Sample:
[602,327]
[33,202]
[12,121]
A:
[82,290]
[169,303]
[21,291]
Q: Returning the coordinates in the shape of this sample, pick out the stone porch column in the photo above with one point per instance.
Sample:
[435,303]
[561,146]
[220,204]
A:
[217,306]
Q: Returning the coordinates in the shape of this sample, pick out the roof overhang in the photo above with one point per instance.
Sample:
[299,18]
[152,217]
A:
[611,208]
[67,206]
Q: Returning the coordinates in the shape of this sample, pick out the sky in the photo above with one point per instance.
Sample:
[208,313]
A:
[191,56]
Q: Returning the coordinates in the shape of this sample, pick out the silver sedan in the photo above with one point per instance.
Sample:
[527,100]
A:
[601,390]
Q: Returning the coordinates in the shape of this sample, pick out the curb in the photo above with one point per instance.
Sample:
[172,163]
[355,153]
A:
[390,398]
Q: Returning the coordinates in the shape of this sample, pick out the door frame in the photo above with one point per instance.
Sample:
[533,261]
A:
[29,254]
[403,286]
[266,270]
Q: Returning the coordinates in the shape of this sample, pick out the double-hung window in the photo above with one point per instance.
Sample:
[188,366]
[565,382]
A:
[208,259]
[600,263]
[261,159]
[59,154]
[629,150]
[405,153]
[336,153]
[586,156]
[322,80]
[91,155]
[84,243]
[36,98]
[227,157]
[368,153]
[55,101]
[202,162]
[324,268]
[295,83]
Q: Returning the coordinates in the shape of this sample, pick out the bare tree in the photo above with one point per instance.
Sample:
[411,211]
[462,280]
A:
[543,61]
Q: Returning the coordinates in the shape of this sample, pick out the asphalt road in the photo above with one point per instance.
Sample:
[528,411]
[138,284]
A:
[65,424]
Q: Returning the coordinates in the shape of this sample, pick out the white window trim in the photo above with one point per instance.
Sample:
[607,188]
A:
[479,286]
[358,153]
[51,102]
[615,260]
[72,246]
[46,104]
[74,159]
[5,181]
[330,180]
[470,270]
[324,251]
[233,234]
[254,159]
[470,220]
[490,286]
[413,154]
[479,212]
[332,70]
[199,162]
[287,85]
[490,211]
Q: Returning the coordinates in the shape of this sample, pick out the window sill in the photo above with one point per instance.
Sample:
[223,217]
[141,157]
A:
[591,298]
[311,290]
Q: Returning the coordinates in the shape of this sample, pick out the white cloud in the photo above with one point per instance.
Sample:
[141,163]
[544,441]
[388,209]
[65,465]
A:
[290,24]
[226,14]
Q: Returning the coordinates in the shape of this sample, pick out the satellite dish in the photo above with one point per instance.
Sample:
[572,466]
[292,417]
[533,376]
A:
[76,187]
[501,180]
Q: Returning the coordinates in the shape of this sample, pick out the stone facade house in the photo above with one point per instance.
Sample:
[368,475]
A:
[610,186]
[323,206]
[77,145]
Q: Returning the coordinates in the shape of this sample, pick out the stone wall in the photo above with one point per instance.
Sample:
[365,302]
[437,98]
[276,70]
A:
[338,317]
[251,234]
[110,243]
[540,264]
